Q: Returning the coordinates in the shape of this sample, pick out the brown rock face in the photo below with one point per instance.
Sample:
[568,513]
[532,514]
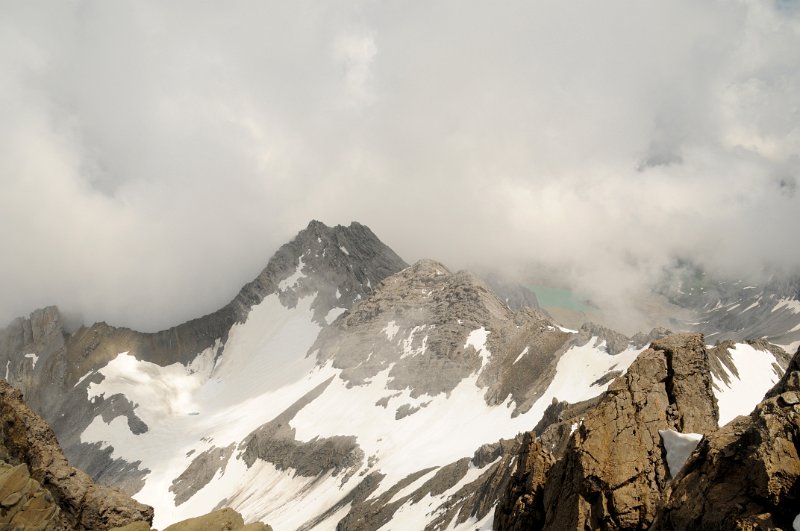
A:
[223,520]
[27,440]
[523,505]
[613,471]
[747,474]
[23,502]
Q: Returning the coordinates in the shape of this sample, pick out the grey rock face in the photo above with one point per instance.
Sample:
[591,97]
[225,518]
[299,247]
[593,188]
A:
[418,323]
[275,442]
[516,296]
[615,342]
[202,470]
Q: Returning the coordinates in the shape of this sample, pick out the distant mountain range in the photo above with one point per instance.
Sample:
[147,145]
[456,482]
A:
[345,389]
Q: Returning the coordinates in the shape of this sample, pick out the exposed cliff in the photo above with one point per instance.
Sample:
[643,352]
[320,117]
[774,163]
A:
[39,488]
[746,475]
[613,470]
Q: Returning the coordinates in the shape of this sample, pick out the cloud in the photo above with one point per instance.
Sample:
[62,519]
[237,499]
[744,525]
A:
[355,53]
[155,155]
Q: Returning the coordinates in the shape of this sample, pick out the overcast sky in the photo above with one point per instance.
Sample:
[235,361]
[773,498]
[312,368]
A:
[153,155]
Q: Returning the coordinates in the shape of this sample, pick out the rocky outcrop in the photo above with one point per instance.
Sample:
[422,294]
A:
[417,325]
[613,471]
[222,520]
[202,470]
[522,505]
[614,341]
[275,442]
[24,503]
[28,443]
[466,499]
[559,421]
[746,475]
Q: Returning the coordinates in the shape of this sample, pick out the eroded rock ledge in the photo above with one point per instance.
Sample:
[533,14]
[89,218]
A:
[746,475]
[610,472]
[52,494]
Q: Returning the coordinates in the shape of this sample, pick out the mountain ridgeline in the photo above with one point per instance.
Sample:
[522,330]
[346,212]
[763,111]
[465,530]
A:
[345,389]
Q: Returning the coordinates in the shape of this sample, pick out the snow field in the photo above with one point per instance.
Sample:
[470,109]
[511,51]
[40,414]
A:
[227,392]
[756,376]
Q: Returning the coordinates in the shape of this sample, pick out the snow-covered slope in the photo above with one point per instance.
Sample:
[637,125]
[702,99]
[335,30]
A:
[294,431]
[742,374]
[340,388]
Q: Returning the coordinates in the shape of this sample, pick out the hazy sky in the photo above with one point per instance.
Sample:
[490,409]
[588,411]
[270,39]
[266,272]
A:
[153,155]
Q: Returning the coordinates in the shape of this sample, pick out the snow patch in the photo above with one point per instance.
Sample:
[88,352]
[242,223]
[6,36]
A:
[579,367]
[567,330]
[82,378]
[679,447]
[521,354]
[292,280]
[473,524]
[754,305]
[477,340]
[333,314]
[411,515]
[792,304]
[791,348]
[756,376]
[390,330]
[408,344]
[34,357]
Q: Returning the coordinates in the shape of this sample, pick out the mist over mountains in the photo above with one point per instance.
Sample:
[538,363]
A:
[343,388]
[155,156]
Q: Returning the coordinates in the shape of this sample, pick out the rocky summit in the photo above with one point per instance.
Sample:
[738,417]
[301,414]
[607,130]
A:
[346,389]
